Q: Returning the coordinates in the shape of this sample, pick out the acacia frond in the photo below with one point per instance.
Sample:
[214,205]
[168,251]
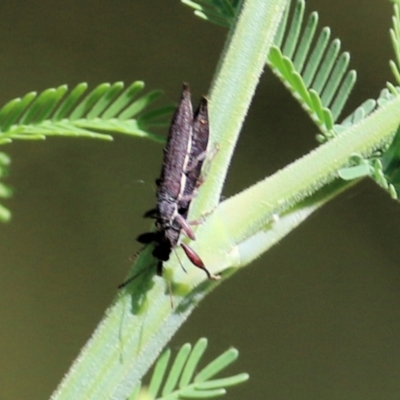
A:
[59,112]
[395,37]
[378,166]
[5,191]
[220,12]
[384,166]
[78,113]
[182,382]
[316,75]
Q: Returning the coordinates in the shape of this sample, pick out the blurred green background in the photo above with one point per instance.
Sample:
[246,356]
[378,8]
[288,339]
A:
[316,318]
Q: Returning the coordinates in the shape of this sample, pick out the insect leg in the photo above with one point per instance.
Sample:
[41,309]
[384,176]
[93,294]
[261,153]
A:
[197,261]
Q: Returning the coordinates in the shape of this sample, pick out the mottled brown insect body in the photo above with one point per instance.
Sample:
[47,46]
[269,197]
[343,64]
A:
[180,176]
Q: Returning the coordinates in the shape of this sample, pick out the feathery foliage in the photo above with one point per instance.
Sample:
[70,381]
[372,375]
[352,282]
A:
[59,112]
[316,74]
[219,12]
[181,382]
[79,113]
[395,37]
[5,191]
[383,166]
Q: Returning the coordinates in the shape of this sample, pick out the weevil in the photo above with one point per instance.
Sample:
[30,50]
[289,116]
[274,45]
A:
[180,176]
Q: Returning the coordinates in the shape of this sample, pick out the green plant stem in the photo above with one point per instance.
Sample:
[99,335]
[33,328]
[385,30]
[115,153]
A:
[276,194]
[238,72]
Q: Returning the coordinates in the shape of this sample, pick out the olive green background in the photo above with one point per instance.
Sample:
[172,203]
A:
[318,317]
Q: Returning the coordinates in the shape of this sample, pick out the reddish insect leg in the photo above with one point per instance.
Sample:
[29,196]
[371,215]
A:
[197,261]
[181,221]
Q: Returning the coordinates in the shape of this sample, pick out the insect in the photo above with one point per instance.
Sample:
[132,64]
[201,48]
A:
[180,176]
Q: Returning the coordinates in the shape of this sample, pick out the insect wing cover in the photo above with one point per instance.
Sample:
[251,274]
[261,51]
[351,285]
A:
[198,149]
[184,155]
[176,153]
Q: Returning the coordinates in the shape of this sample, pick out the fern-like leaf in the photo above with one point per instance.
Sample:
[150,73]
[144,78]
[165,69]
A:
[219,12]
[395,37]
[316,75]
[367,108]
[384,166]
[5,191]
[59,112]
[181,382]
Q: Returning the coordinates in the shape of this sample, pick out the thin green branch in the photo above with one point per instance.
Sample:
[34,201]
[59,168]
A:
[234,84]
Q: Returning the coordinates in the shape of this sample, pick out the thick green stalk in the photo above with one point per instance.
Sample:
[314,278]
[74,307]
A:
[232,90]
[269,199]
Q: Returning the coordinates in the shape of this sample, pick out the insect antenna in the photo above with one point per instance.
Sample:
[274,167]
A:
[179,260]
[132,278]
[171,298]
[134,256]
